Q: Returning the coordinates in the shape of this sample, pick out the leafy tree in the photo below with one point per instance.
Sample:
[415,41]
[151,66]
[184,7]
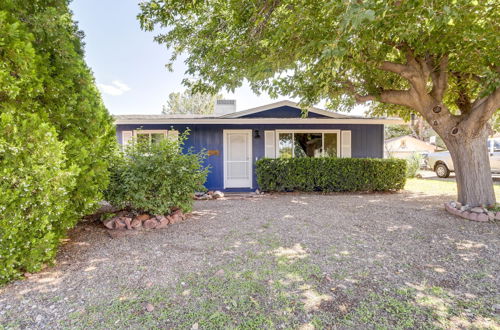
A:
[55,134]
[432,57]
[392,131]
[189,102]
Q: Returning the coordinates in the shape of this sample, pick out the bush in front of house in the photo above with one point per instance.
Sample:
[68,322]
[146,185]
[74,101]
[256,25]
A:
[35,191]
[156,177]
[330,174]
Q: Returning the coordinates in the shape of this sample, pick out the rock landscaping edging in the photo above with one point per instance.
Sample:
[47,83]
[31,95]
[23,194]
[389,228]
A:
[480,214]
[128,221]
[208,195]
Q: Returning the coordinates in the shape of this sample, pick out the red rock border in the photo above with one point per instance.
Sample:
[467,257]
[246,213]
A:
[474,214]
[127,221]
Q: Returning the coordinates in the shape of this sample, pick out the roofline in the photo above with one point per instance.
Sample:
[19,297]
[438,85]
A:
[243,121]
[289,103]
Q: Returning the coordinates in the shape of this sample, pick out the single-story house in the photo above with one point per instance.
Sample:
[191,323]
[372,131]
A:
[405,146]
[234,139]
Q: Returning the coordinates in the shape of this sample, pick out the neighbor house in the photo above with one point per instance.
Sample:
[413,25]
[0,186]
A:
[405,146]
[234,139]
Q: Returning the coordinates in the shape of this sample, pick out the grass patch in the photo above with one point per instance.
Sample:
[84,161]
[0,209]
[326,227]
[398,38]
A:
[278,286]
[438,187]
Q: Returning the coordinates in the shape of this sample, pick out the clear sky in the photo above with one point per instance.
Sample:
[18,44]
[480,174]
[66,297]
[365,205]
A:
[129,67]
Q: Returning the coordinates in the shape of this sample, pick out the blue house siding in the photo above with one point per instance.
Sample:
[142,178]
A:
[366,142]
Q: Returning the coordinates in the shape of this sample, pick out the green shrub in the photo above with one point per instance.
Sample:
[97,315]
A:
[413,165]
[34,187]
[44,79]
[330,174]
[157,177]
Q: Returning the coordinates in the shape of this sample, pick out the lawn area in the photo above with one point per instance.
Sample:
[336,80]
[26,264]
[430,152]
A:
[294,261]
[436,186]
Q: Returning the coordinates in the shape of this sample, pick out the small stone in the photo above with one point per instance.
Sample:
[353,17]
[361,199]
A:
[162,222]
[150,224]
[473,216]
[453,204]
[482,217]
[458,205]
[463,208]
[210,192]
[150,307]
[496,308]
[143,217]
[109,223]
[38,318]
[127,221]
[477,210]
[218,194]
[465,214]
[491,216]
[195,326]
[136,224]
[119,224]
[149,284]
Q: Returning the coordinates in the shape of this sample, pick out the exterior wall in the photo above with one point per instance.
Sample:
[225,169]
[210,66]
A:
[367,142]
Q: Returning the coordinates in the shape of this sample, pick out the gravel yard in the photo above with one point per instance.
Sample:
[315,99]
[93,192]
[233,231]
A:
[274,261]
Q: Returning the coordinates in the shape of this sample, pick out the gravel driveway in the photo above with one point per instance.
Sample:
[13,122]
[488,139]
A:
[389,259]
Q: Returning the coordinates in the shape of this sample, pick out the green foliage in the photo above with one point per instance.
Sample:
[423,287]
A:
[392,131]
[35,191]
[330,174]
[310,49]
[47,89]
[191,103]
[413,165]
[155,177]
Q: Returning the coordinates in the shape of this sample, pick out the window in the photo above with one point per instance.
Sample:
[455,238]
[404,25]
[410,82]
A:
[153,136]
[307,144]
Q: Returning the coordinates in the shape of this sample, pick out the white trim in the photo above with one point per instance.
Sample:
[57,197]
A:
[346,148]
[322,131]
[246,121]
[150,131]
[274,105]
[224,153]
[269,143]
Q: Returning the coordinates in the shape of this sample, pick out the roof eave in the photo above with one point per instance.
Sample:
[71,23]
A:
[246,121]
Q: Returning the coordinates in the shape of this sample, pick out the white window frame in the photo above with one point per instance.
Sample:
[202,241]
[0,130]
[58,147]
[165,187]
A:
[165,132]
[293,131]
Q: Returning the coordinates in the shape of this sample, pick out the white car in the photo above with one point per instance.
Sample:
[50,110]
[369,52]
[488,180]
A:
[442,164]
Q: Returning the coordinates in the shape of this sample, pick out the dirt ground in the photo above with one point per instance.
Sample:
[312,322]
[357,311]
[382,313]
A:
[276,261]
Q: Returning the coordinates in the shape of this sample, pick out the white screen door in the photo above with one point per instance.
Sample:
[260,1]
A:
[238,158]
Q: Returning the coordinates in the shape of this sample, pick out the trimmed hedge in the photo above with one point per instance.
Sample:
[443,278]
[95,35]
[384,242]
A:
[330,174]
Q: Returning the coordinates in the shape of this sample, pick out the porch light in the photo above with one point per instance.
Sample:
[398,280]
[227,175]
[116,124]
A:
[256,134]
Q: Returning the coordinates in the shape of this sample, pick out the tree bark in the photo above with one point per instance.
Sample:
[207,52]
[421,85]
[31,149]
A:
[470,157]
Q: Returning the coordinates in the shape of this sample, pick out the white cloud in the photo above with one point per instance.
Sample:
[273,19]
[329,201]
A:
[115,88]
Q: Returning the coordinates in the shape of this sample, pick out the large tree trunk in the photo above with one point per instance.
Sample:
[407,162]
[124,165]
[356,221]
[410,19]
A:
[472,169]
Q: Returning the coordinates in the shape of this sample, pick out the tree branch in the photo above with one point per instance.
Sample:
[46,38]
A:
[439,78]
[484,109]
[399,97]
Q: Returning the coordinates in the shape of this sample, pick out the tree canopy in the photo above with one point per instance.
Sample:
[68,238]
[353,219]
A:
[437,58]
[189,102]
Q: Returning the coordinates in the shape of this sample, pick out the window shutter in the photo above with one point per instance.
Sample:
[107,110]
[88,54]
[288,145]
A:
[270,144]
[345,142]
[126,137]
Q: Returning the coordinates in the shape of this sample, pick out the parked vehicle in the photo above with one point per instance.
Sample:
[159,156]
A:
[441,163]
